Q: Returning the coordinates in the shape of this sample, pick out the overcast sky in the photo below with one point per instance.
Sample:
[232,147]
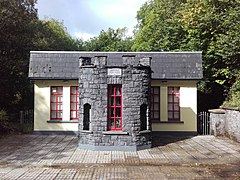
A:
[86,18]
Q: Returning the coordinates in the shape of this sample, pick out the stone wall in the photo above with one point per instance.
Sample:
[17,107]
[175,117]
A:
[135,78]
[225,122]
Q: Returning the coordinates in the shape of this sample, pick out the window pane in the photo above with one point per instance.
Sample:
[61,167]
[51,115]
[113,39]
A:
[112,112]
[170,107]
[53,98]
[151,115]
[59,114]
[156,115]
[170,115]
[156,90]
[118,91]
[54,90]
[118,112]
[74,90]
[112,91]
[53,114]
[152,90]
[156,99]
[176,115]
[53,107]
[176,90]
[73,98]
[170,99]
[176,107]
[156,106]
[59,98]
[112,101]
[73,106]
[59,106]
[175,99]
[60,90]
[73,114]
[118,101]
[112,123]
[118,123]
[170,90]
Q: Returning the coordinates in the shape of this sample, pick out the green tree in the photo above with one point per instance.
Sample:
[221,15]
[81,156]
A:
[17,19]
[20,32]
[51,34]
[158,28]
[210,26]
[110,40]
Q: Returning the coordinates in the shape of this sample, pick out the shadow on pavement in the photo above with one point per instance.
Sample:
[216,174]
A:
[164,140]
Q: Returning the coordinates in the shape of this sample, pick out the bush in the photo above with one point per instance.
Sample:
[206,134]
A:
[4,120]
[233,99]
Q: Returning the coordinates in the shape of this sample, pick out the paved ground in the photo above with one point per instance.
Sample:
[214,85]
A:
[57,157]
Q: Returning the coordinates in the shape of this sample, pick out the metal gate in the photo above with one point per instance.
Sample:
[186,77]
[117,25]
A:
[204,123]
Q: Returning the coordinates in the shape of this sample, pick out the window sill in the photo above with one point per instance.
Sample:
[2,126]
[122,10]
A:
[88,66]
[62,121]
[115,133]
[86,131]
[168,122]
[144,132]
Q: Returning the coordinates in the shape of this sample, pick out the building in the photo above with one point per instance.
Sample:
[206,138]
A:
[115,100]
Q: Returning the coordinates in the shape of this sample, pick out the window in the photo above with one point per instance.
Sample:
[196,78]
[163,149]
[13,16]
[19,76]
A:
[143,117]
[155,99]
[86,116]
[173,103]
[74,102]
[56,103]
[114,107]
[86,61]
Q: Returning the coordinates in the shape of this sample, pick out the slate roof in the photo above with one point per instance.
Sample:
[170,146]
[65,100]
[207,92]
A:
[165,65]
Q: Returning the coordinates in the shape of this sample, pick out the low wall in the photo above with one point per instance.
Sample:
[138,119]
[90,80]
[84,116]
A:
[225,122]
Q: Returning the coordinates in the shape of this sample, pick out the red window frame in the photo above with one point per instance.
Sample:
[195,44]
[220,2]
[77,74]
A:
[114,107]
[174,103]
[155,101]
[56,103]
[74,96]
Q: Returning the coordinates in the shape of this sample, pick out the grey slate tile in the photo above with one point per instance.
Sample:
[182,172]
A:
[165,65]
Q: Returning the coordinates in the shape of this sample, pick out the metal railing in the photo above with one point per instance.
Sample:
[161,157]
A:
[204,123]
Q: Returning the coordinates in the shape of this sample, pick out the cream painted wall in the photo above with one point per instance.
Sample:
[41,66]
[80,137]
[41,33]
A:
[188,106]
[42,106]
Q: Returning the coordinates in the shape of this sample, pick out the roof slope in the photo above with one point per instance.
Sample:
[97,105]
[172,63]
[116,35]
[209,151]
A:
[165,65]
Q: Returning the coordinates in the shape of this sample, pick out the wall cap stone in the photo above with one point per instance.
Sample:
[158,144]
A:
[217,111]
[231,108]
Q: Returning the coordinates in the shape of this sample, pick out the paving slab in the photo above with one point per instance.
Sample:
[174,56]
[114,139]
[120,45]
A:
[58,157]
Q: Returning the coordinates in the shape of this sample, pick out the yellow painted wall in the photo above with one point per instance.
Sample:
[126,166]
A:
[188,106]
[42,106]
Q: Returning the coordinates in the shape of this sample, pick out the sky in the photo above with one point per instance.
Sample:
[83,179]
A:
[86,18]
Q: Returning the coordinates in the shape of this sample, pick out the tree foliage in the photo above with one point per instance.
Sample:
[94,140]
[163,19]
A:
[17,19]
[158,26]
[51,34]
[210,26]
[110,40]
[20,32]
[233,99]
